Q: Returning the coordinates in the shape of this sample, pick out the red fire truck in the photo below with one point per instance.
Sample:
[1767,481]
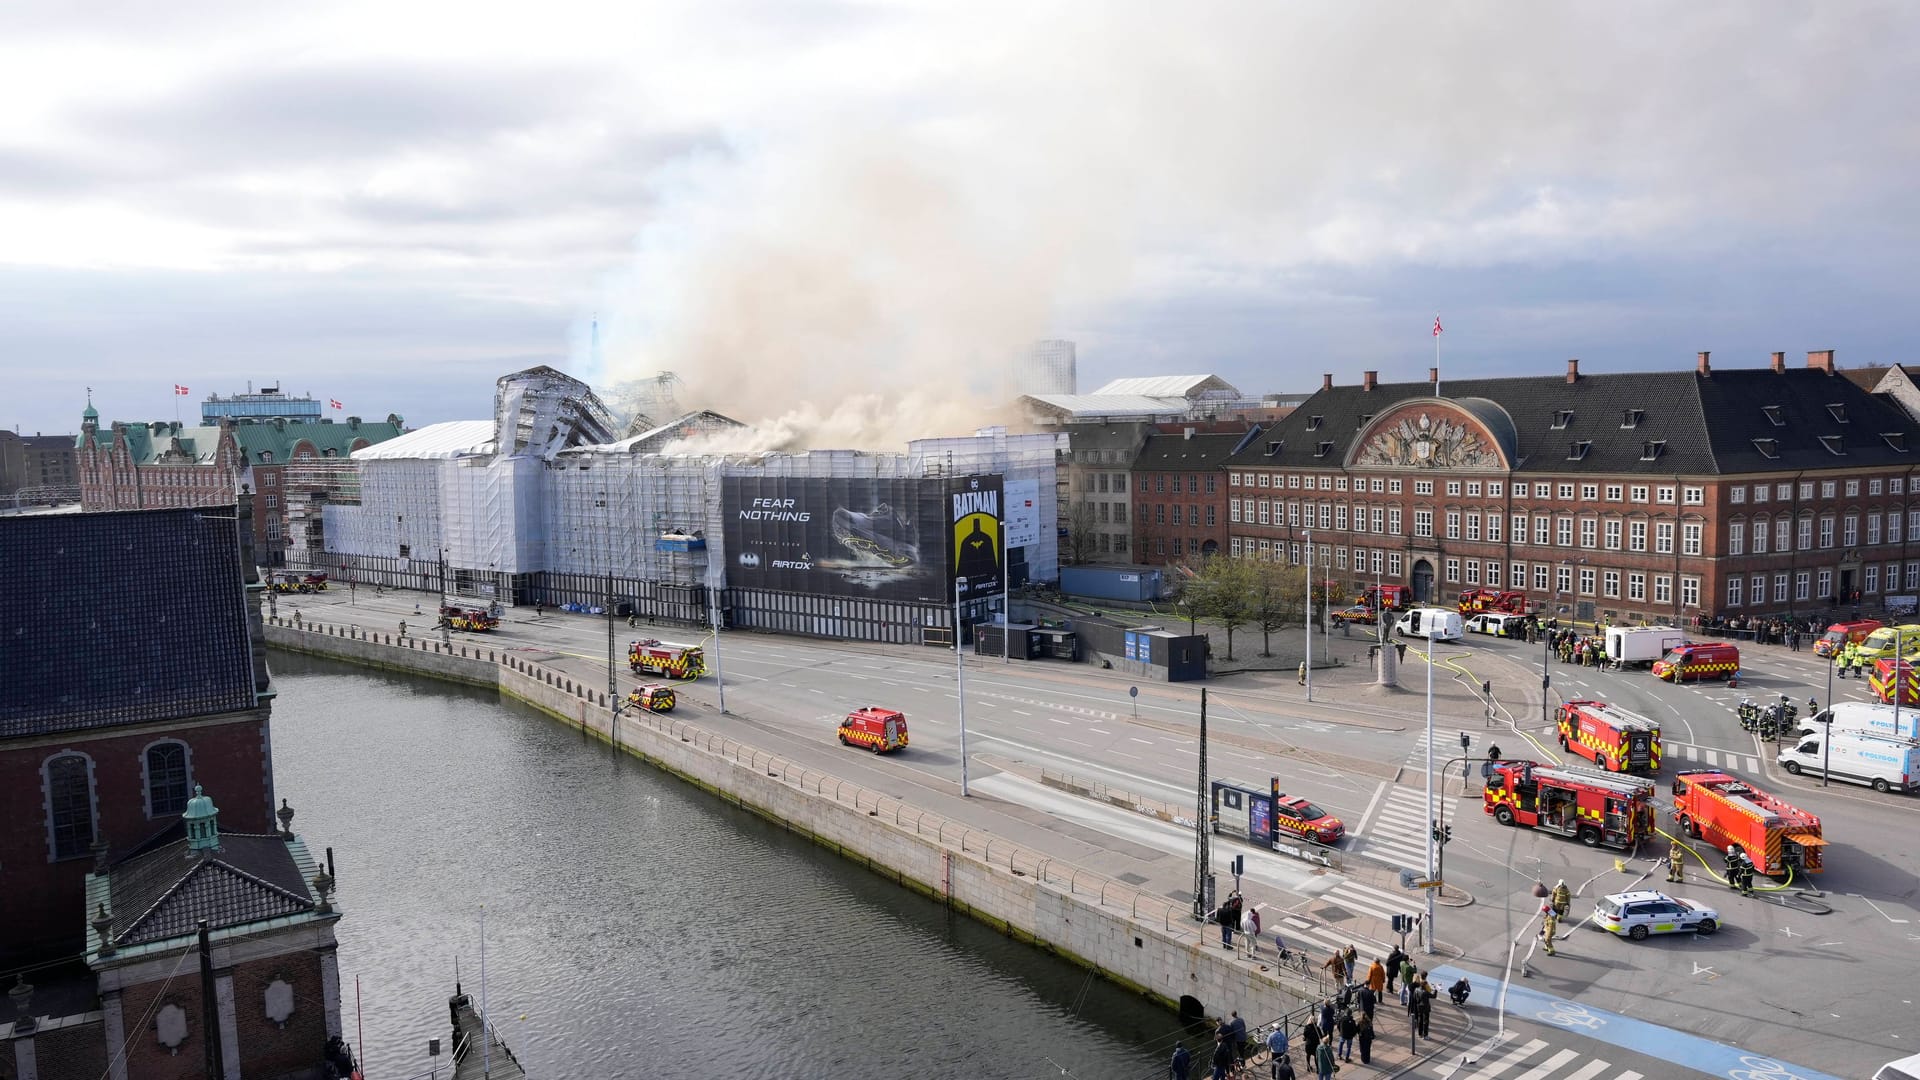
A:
[1475,601]
[1611,737]
[1597,808]
[667,658]
[1721,809]
[1390,597]
[875,728]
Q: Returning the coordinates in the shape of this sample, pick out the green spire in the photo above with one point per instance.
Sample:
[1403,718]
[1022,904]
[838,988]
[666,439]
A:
[91,413]
[203,822]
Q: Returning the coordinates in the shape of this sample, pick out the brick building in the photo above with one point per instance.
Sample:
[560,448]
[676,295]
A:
[1662,495]
[38,468]
[138,466]
[136,674]
[1180,491]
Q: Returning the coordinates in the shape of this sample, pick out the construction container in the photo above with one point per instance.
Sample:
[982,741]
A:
[1131,584]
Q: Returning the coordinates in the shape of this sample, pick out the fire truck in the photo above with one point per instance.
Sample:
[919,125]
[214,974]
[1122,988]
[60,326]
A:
[1595,807]
[473,620]
[667,658]
[1475,601]
[1894,676]
[875,728]
[1390,597]
[1611,737]
[1722,810]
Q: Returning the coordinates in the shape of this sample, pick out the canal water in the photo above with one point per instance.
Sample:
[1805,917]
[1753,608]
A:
[636,926]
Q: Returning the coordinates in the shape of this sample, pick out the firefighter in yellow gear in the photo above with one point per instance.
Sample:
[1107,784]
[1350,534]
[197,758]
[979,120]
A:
[1676,863]
[1562,899]
[1549,927]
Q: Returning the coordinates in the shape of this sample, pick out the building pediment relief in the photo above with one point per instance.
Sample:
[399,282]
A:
[1433,436]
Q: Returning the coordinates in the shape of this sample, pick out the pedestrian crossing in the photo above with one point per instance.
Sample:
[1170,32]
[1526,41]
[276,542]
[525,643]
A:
[1397,832]
[1499,1063]
[1320,939]
[1710,756]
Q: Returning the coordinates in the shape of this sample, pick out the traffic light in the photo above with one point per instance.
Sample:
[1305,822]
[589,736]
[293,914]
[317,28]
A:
[1446,834]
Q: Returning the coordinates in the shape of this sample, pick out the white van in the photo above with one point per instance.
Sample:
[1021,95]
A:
[1881,762]
[1868,716]
[1437,624]
[1907,1068]
[1642,644]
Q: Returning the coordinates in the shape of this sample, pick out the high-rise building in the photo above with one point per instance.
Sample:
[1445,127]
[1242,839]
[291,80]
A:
[1049,369]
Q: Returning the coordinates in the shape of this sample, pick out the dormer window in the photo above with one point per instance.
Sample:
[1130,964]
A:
[1631,418]
[1896,440]
[1561,418]
[1313,422]
[1323,449]
[1834,445]
[1838,412]
[266,457]
[1652,449]
[1365,419]
[1275,446]
[1578,451]
[1769,448]
[1775,415]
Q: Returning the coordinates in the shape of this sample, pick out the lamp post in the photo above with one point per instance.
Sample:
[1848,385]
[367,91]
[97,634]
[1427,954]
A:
[1308,623]
[960,681]
[1433,834]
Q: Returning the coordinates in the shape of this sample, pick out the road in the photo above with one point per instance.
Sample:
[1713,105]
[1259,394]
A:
[1813,973]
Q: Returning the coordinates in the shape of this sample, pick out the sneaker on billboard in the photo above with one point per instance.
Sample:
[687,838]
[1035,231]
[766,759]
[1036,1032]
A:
[880,535]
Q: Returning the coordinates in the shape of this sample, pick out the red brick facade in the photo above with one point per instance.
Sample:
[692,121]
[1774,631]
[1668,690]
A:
[42,905]
[267,1049]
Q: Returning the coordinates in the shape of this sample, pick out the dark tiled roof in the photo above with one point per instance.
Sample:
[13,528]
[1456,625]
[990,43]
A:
[121,618]
[1703,426]
[1116,436]
[165,892]
[1177,453]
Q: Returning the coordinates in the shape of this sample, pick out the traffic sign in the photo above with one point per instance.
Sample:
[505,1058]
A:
[1428,884]
[1133,691]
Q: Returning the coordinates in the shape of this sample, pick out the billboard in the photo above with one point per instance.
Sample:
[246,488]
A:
[1022,513]
[978,557]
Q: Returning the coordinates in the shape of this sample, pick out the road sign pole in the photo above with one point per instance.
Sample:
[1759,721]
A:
[1134,693]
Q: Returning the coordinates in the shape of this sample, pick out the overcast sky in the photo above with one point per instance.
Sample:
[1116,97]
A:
[794,204]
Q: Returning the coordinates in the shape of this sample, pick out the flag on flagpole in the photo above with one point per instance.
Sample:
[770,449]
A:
[335,403]
[180,391]
[1436,326]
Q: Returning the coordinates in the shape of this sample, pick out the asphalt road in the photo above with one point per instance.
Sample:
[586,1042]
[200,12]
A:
[1816,973]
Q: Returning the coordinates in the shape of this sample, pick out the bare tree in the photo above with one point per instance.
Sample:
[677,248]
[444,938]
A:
[1080,534]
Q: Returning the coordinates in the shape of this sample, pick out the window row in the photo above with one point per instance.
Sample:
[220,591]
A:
[1157,483]
[1786,533]
[1784,491]
[73,798]
[1818,585]
[1157,514]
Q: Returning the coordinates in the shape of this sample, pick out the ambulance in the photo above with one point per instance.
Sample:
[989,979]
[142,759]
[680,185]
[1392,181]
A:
[1611,737]
[1843,633]
[877,729]
[1890,641]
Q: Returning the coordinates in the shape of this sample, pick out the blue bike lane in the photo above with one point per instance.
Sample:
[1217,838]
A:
[1678,1047]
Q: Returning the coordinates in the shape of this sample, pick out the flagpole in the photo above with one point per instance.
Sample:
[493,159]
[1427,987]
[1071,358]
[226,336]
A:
[1436,355]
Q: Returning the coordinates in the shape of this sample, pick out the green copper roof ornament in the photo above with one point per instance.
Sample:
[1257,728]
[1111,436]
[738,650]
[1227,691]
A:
[203,822]
[91,413]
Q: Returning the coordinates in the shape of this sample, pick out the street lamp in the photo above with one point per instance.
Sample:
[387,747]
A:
[1433,835]
[960,681]
[1308,624]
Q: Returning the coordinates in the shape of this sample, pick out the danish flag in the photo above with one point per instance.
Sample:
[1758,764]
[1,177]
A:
[335,403]
[180,391]
[1436,326]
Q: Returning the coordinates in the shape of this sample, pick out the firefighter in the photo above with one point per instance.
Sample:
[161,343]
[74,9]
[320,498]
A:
[1746,874]
[1733,867]
[1677,863]
[1549,927]
[1562,899]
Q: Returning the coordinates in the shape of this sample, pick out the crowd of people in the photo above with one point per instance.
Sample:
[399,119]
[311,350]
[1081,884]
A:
[1342,1024]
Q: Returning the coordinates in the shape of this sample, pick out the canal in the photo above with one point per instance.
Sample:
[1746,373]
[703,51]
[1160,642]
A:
[636,926]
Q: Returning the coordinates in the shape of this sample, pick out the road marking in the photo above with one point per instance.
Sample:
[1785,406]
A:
[1149,742]
[1550,1066]
[1072,742]
[1884,915]
[1707,971]
[1057,720]
[1021,712]
[1789,932]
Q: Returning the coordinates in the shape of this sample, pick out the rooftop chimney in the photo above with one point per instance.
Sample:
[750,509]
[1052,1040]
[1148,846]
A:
[1187,433]
[1433,375]
[1821,359]
[1326,380]
[1573,370]
[1779,364]
[1369,379]
[1706,369]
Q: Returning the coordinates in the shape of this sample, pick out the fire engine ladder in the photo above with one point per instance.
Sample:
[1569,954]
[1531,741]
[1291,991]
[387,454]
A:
[1629,786]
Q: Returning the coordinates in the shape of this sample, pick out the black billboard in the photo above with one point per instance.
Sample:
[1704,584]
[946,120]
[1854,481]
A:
[883,539]
[976,554]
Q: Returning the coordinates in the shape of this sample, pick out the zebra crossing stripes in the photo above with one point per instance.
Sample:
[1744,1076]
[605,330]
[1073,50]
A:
[1708,755]
[1397,832]
[1496,1064]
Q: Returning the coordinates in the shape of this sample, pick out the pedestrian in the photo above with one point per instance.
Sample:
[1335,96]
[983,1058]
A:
[1181,1065]
[1237,1036]
[1394,960]
[1250,929]
[1493,752]
[1368,999]
[1335,965]
[1407,975]
[353,592]
[1309,1040]
[1224,1057]
[1326,1019]
[403,628]
[1348,1029]
[1366,1038]
[1277,1048]
[1422,1007]
[1283,1069]
[1562,898]
[1229,916]
[1323,1065]
[1676,863]
[1352,963]
[1376,977]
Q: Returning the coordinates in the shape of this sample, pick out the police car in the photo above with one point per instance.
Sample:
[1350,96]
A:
[1302,818]
[1637,914]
